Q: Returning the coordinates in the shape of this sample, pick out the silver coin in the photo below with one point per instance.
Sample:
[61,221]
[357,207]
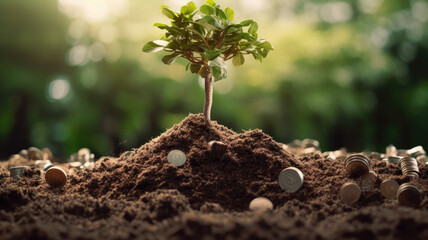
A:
[290,179]
[17,172]
[350,192]
[177,158]
[261,204]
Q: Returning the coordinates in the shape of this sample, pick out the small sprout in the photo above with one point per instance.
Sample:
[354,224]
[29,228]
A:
[207,38]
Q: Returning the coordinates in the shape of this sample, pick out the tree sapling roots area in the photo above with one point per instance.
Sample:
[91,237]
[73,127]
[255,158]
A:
[143,196]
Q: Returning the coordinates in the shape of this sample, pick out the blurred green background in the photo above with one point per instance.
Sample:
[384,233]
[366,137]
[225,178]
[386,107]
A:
[347,73]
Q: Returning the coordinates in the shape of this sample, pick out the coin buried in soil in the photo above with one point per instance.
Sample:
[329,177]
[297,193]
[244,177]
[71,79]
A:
[177,158]
[389,188]
[350,192]
[17,172]
[261,204]
[290,179]
[409,195]
[56,177]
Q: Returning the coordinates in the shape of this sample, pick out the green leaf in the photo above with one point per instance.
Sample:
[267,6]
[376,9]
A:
[264,44]
[209,23]
[213,54]
[207,9]
[221,15]
[257,56]
[188,66]
[238,60]
[154,46]
[169,13]
[189,8]
[218,69]
[230,14]
[169,59]
[246,23]
[253,28]
[210,2]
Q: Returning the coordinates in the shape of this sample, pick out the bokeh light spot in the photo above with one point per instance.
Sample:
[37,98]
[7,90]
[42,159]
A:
[58,89]
[78,55]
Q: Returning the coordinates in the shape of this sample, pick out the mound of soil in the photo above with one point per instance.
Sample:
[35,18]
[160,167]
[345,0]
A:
[142,196]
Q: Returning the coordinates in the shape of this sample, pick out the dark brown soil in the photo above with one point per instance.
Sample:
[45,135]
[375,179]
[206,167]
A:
[142,196]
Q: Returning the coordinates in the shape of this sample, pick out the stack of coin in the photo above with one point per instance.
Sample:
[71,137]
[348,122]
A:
[177,157]
[389,188]
[290,179]
[261,204]
[56,177]
[349,193]
[17,172]
[409,166]
[392,159]
[357,165]
[409,195]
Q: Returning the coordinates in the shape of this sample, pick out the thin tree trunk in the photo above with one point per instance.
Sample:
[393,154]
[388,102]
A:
[208,97]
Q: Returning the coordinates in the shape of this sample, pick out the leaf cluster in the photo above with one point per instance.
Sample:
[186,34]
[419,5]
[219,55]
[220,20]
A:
[207,38]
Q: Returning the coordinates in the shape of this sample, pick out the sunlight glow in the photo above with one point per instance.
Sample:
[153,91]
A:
[94,11]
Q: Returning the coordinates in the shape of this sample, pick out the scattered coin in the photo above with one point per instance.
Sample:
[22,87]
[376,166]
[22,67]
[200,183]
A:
[389,188]
[40,164]
[290,179]
[295,144]
[24,153]
[416,151]
[56,177]
[350,192]
[34,154]
[340,154]
[47,166]
[409,195]
[393,159]
[391,150]
[47,154]
[17,172]
[76,165]
[261,204]
[422,158]
[309,143]
[329,154]
[177,158]
[84,155]
[357,165]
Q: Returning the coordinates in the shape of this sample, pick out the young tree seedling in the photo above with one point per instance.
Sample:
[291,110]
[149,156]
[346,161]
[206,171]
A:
[207,38]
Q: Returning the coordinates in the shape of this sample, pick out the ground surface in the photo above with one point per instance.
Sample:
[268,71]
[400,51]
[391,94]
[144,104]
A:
[142,196]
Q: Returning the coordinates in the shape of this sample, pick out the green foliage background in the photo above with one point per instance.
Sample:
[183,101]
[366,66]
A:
[348,73]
